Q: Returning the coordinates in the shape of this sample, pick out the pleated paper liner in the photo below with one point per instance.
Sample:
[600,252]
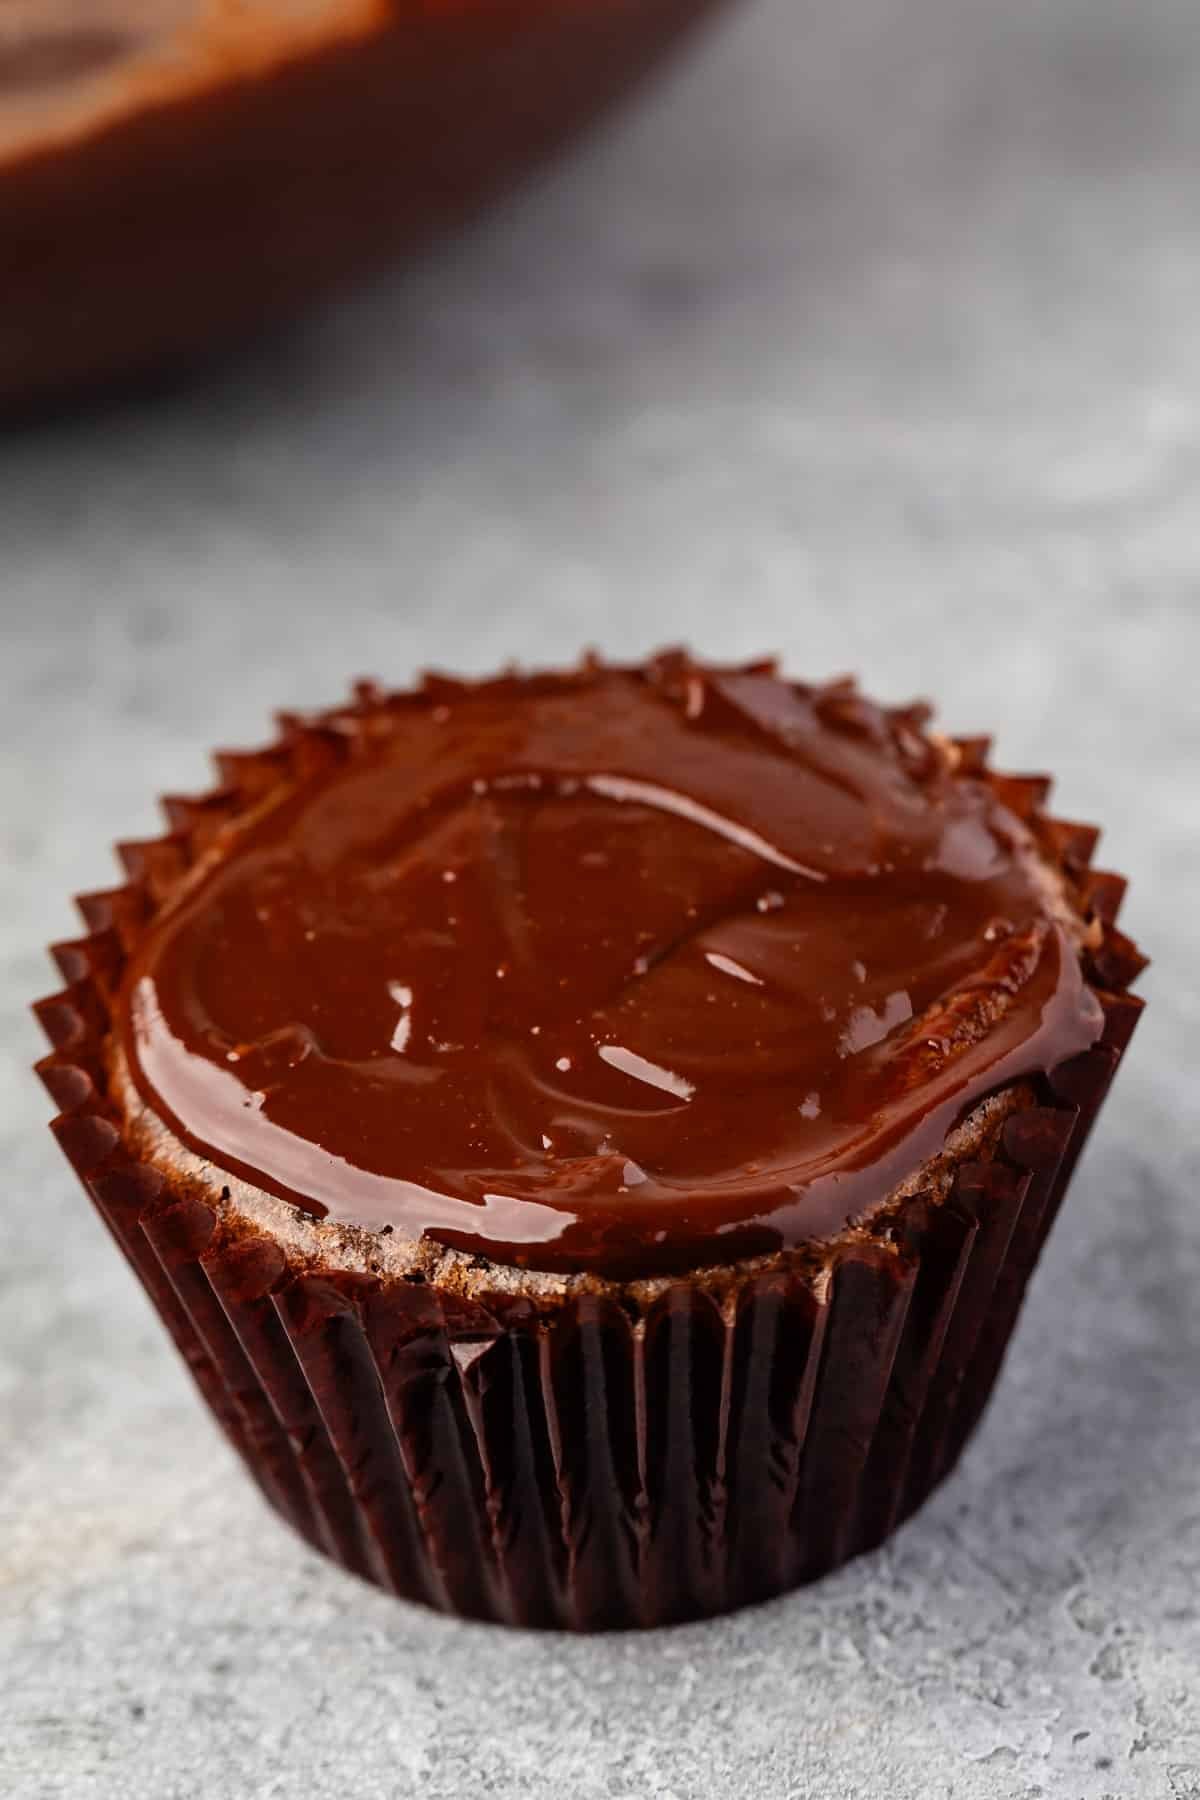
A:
[621,1455]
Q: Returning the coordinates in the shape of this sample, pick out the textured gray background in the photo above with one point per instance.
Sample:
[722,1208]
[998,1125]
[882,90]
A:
[874,338]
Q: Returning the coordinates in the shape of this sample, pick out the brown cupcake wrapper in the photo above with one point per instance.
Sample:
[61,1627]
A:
[601,1460]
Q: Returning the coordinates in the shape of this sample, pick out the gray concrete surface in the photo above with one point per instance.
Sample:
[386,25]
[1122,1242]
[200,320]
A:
[872,335]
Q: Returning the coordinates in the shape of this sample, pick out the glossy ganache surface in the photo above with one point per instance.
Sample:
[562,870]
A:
[622,970]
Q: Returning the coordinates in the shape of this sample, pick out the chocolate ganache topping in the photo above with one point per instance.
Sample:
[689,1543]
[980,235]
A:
[622,970]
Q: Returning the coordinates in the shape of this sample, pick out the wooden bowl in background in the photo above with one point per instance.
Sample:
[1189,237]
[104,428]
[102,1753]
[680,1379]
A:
[176,173]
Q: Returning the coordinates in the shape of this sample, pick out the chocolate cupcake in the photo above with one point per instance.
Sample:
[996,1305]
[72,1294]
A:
[589,1134]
